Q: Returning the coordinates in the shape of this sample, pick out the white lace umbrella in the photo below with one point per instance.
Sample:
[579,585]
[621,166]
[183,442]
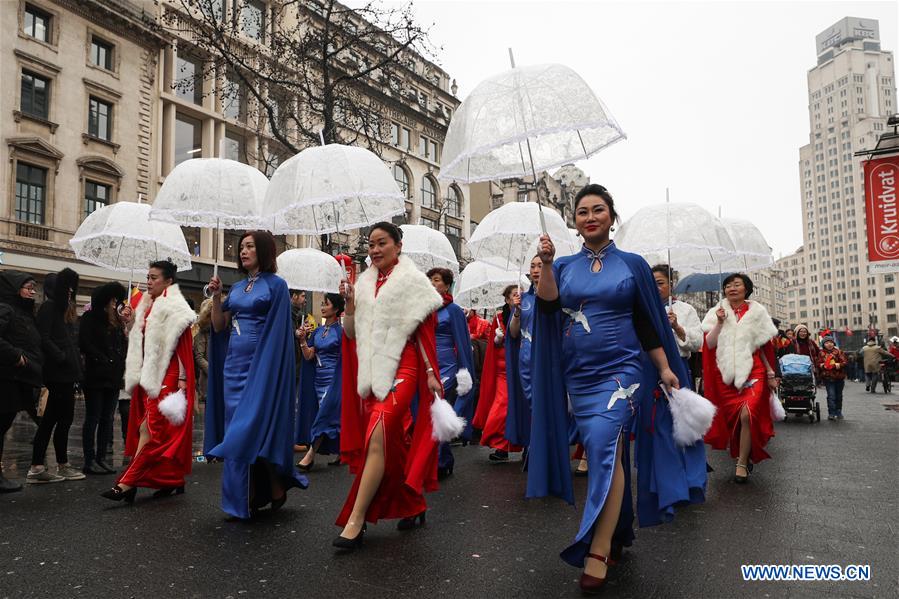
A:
[751,250]
[685,236]
[310,269]
[481,285]
[507,235]
[428,248]
[523,121]
[211,193]
[331,188]
[121,237]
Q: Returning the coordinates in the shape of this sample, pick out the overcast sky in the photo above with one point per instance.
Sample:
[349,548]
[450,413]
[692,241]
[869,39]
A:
[712,95]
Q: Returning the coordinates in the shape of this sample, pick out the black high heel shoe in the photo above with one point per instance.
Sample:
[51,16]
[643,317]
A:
[741,480]
[305,467]
[413,522]
[346,544]
[117,494]
[168,492]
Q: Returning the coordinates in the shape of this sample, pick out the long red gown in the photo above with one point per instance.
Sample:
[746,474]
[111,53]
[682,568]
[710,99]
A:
[493,400]
[166,458]
[410,453]
[725,429]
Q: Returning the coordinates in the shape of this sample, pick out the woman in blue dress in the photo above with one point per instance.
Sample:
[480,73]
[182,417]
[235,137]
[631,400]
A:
[250,410]
[320,384]
[602,344]
[455,360]
[521,331]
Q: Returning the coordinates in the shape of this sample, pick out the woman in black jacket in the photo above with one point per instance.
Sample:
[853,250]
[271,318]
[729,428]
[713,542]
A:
[57,320]
[103,343]
[20,355]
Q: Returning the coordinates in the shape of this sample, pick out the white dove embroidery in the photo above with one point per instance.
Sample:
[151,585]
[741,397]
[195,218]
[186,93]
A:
[622,393]
[579,317]
[527,335]
[396,383]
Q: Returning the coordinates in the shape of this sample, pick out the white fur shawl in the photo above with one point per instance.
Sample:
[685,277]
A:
[739,340]
[384,326]
[150,350]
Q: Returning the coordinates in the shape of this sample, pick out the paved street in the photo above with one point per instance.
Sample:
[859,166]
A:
[829,496]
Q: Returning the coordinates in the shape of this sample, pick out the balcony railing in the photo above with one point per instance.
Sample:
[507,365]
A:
[32,231]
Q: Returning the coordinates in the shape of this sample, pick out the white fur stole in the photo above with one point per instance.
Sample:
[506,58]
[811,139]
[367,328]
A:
[150,348]
[384,325]
[739,340]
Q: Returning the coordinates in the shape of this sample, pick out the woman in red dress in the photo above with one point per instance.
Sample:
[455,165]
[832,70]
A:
[493,399]
[159,372]
[389,356]
[740,373]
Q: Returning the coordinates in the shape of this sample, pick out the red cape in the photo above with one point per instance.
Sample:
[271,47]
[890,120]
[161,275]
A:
[487,392]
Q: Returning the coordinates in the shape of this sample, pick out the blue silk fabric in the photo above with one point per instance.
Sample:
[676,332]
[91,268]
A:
[320,391]
[250,410]
[586,368]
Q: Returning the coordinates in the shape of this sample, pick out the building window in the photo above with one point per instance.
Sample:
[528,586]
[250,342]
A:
[37,23]
[35,95]
[429,222]
[454,202]
[252,19]
[454,234]
[101,53]
[96,195]
[234,99]
[402,179]
[192,237]
[188,84]
[232,245]
[31,193]
[400,136]
[188,142]
[99,119]
[235,147]
[428,148]
[428,193]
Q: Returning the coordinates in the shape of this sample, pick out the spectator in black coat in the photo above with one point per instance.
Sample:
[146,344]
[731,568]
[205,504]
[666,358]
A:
[101,336]
[20,355]
[57,322]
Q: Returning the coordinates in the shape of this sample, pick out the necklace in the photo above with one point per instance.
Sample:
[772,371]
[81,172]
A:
[251,281]
[327,329]
[382,276]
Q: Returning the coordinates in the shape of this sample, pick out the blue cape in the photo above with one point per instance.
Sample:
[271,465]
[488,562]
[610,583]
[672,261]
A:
[464,404]
[313,418]
[262,425]
[518,414]
[667,475]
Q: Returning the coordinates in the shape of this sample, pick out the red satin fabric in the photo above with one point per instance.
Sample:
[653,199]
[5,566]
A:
[410,460]
[725,429]
[478,327]
[493,400]
[167,457]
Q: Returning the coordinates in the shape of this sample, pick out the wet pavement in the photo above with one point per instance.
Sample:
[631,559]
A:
[829,496]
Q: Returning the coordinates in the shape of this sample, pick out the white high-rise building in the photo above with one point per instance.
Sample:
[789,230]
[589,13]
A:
[851,93]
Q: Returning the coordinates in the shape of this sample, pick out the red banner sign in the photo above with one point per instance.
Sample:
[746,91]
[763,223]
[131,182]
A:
[882,213]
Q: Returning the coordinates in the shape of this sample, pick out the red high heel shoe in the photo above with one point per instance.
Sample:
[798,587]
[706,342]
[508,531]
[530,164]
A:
[591,585]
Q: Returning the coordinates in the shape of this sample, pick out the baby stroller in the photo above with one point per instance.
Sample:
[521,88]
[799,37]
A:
[797,386]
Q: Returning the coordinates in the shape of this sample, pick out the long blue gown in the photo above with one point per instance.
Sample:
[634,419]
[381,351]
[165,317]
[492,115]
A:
[518,416]
[596,336]
[322,398]
[250,408]
[453,355]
